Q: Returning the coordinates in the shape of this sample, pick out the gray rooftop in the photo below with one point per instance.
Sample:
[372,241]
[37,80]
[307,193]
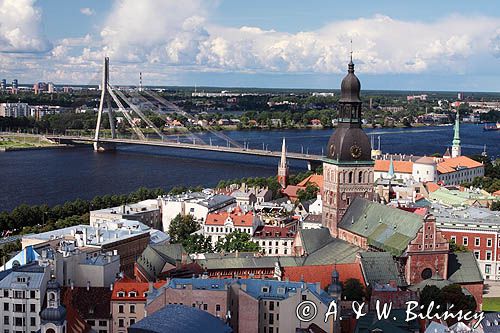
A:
[380,268]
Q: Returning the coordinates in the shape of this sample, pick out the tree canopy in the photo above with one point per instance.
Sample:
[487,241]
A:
[236,241]
[181,227]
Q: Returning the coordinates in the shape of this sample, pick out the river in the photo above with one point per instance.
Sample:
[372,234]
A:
[55,176]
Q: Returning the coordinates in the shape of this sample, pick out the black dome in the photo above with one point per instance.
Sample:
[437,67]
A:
[53,314]
[349,144]
[350,87]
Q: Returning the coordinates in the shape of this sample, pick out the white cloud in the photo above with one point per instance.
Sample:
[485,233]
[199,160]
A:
[20,27]
[87,11]
[176,34]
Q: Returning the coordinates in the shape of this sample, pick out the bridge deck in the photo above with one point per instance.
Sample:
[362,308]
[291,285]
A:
[183,145]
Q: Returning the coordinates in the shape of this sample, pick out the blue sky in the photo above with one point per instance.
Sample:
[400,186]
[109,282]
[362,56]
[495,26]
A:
[424,45]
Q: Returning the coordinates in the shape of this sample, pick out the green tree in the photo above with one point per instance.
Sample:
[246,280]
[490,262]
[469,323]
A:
[236,241]
[495,206]
[181,227]
[454,247]
[197,244]
[451,294]
[353,290]
[310,192]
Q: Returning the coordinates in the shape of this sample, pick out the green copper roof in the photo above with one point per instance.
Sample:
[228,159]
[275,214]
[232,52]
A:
[330,161]
[386,228]
[380,268]
[463,268]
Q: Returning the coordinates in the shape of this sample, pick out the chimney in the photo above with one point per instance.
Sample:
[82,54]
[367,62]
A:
[88,285]
[150,288]
[111,287]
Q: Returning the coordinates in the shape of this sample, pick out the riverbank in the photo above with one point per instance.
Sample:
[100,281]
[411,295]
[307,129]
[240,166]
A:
[16,142]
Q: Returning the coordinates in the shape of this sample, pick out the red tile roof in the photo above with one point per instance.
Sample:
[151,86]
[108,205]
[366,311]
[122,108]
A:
[268,231]
[323,273]
[127,285]
[291,191]
[312,179]
[497,193]
[240,218]
[451,164]
[432,187]
[399,166]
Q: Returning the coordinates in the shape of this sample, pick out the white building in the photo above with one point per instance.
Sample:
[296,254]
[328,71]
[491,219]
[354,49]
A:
[15,110]
[218,225]
[22,295]
[146,211]
[198,204]
[274,241]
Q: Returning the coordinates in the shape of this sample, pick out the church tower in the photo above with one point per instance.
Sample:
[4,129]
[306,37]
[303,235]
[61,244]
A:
[456,151]
[283,167]
[53,317]
[348,166]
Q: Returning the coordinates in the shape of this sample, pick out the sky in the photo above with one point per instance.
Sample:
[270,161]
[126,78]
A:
[424,45]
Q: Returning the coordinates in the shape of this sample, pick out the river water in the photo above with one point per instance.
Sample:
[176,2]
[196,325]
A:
[55,176]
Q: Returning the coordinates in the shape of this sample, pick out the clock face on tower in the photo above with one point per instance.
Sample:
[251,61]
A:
[356,151]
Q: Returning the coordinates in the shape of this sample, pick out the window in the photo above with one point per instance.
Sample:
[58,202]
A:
[477,254]
[6,320]
[205,307]
[103,323]
[271,318]
[121,294]
[32,321]
[91,322]
[489,242]
[304,297]
[5,293]
[488,255]
[120,308]
[477,241]
[18,321]
[132,308]
[132,294]
[453,239]
[487,269]
[18,294]
[32,294]
[18,308]
[217,307]
[32,308]
[6,306]
[271,305]
[120,323]
[465,241]
[132,321]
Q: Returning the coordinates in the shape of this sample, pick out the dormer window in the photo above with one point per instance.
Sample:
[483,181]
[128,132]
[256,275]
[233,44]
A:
[121,294]
[132,294]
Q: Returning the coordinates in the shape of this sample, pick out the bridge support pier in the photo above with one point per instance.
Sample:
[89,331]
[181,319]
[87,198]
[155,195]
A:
[313,165]
[104,146]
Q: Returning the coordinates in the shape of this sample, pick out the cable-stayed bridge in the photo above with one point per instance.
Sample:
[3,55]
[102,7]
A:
[132,106]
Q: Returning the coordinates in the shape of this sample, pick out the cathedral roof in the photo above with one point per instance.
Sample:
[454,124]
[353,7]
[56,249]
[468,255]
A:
[350,87]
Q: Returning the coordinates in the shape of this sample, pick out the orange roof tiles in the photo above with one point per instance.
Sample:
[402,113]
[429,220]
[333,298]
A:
[314,179]
[323,273]
[451,164]
[127,285]
[497,193]
[239,218]
[291,191]
[268,231]
[399,166]
[432,187]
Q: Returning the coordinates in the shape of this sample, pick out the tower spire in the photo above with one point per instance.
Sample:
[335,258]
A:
[391,169]
[283,167]
[455,148]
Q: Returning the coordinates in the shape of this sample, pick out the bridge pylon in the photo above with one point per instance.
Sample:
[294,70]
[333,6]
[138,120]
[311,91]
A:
[105,98]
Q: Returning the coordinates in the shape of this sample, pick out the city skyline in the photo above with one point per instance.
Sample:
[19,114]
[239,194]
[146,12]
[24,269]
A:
[454,46]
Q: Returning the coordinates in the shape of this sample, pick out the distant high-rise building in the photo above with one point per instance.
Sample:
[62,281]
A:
[51,88]
[460,96]
[14,87]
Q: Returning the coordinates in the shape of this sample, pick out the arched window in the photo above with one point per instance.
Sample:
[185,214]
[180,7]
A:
[350,177]
[360,177]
